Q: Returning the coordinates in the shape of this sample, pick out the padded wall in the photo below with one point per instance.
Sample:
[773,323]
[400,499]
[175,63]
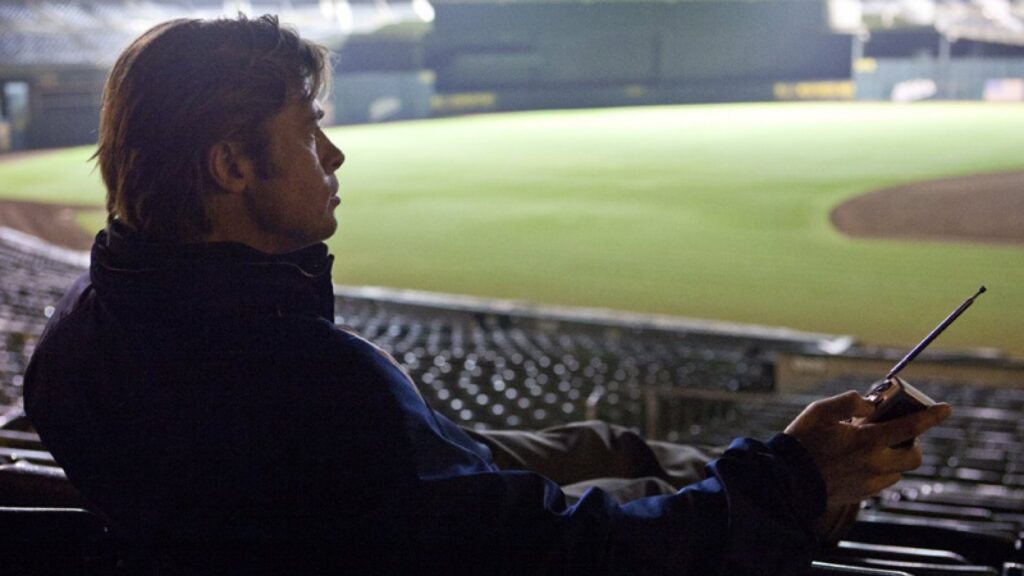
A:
[559,45]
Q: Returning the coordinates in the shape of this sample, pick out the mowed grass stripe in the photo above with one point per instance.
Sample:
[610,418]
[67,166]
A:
[705,211]
[63,176]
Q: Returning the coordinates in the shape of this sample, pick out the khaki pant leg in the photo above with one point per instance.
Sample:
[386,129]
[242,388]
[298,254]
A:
[622,490]
[586,451]
[684,464]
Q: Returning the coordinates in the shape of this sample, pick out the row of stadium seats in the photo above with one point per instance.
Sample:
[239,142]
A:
[961,513]
[490,369]
[31,283]
[501,371]
[981,443]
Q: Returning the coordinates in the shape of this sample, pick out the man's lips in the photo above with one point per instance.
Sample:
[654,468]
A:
[334,198]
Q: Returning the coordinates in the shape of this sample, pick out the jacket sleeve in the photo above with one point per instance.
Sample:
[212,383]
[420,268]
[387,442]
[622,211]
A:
[753,515]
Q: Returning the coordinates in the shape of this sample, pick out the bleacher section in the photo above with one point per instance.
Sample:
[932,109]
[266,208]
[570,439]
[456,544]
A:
[94,32]
[55,54]
[487,367]
[513,370]
[961,513]
[33,279]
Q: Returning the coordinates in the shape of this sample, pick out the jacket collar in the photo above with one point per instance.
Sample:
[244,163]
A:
[156,280]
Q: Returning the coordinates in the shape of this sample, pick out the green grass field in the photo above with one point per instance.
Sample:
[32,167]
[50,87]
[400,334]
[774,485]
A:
[714,212]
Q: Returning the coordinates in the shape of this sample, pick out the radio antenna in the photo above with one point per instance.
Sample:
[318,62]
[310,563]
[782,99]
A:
[934,334]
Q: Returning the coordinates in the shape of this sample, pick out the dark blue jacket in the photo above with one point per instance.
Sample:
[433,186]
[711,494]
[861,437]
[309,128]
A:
[201,395]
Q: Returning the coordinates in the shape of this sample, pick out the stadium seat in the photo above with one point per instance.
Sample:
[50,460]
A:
[988,546]
[26,484]
[819,568]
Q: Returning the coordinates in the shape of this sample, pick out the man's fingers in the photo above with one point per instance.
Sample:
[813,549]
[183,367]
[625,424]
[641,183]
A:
[905,459]
[895,460]
[909,426]
[849,404]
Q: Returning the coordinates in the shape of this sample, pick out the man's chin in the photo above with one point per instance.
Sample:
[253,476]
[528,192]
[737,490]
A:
[330,229]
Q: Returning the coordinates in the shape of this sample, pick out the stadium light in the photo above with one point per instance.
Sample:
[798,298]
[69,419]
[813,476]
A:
[845,15]
[343,15]
[424,9]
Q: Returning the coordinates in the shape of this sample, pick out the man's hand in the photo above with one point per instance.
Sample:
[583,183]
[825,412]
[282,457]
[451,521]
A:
[856,459]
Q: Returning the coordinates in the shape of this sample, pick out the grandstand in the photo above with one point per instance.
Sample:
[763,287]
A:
[481,364]
[919,49]
[504,366]
[94,32]
[54,54]
[404,59]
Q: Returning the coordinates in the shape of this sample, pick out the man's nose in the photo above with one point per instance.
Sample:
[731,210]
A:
[333,156]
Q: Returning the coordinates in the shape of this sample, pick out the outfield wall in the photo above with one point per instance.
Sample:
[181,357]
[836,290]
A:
[537,55]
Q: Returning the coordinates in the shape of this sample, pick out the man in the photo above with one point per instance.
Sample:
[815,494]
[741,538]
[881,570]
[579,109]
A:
[195,389]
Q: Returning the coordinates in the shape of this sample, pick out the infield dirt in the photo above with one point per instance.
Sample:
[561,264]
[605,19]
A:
[982,208]
[53,223]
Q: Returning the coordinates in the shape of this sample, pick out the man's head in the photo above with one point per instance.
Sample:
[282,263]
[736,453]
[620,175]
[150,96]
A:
[192,115]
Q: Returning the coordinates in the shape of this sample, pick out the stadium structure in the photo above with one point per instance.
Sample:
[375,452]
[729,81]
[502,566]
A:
[501,365]
[404,59]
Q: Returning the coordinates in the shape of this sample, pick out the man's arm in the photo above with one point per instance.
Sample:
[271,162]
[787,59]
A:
[758,512]
[755,513]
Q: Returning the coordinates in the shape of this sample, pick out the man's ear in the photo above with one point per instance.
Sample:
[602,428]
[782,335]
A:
[230,168]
